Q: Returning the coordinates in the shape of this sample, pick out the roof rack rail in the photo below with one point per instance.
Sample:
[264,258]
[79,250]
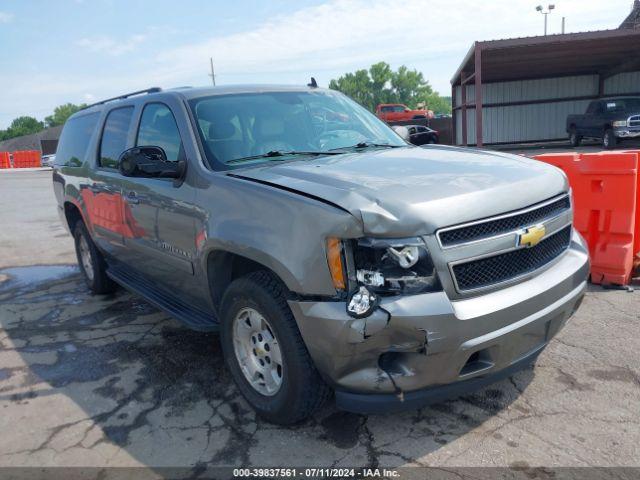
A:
[126,95]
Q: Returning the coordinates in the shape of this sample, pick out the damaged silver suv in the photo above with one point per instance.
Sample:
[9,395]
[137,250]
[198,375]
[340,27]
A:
[330,255]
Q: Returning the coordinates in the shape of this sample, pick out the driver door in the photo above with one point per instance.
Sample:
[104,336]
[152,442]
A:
[159,213]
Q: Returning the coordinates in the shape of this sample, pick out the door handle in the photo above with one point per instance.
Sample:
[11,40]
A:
[132,198]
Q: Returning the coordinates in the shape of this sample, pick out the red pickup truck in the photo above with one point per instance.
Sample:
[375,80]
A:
[397,112]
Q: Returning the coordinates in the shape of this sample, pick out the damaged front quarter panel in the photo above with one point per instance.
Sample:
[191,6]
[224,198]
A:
[376,353]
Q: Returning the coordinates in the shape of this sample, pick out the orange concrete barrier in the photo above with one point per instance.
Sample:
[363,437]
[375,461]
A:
[606,201]
[5,160]
[26,159]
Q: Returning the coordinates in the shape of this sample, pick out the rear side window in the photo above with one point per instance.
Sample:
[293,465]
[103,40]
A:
[594,107]
[114,136]
[74,140]
[158,127]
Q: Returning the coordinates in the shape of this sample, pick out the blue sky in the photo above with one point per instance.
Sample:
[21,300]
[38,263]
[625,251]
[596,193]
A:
[52,52]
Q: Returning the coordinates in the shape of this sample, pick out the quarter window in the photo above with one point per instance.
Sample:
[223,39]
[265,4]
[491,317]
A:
[75,140]
[114,136]
[158,127]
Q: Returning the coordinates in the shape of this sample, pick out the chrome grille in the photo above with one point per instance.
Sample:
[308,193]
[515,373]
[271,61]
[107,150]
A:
[510,265]
[634,122]
[479,230]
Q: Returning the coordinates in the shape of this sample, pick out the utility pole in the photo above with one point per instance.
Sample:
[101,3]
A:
[212,74]
[563,25]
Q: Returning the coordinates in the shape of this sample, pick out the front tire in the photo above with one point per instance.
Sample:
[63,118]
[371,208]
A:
[265,353]
[92,263]
[609,140]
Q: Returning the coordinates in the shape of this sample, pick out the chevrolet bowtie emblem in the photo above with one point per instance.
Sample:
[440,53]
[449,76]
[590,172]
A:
[530,237]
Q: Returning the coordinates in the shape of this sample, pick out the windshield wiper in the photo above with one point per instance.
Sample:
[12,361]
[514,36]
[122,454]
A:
[280,153]
[365,144]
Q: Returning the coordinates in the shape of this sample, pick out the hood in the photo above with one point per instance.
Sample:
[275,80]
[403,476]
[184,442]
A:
[408,191]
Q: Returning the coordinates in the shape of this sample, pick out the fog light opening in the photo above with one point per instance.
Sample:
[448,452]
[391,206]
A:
[477,362]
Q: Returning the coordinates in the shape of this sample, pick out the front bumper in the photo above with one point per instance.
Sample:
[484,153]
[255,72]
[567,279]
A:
[419,342]
[623,132]
[373,403]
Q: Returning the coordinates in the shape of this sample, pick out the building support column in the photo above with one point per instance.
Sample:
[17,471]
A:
[454,135]
[463,107]
[478,94]
[601,80]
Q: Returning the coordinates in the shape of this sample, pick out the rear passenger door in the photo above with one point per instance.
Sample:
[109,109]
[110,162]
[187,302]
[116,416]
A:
[160,212]
[102,196]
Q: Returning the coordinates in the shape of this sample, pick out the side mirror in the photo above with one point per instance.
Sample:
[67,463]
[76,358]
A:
[407,110]
[149,162]
[402,131]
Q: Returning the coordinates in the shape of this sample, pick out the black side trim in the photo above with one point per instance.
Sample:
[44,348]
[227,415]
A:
[291,190]
[389,403]
[193,317]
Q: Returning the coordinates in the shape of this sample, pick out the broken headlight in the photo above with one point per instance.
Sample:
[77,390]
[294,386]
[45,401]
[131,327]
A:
[395,266]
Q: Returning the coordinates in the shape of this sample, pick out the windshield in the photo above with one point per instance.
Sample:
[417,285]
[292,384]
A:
[241,129]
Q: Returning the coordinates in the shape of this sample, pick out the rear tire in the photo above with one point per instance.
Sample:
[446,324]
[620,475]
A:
[299,390]
[574,139]
[92,263]
[609,140]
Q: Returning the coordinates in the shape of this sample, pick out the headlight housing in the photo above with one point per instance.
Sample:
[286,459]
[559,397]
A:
[400,266]
[620,123]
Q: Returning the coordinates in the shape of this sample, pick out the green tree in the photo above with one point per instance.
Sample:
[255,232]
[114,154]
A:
[380,84]
[61,113]
[356,85]
[24,126]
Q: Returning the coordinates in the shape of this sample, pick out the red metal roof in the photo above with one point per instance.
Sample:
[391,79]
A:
[606,52]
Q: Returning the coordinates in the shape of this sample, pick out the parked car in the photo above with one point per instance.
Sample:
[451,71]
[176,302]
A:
[397,112]
[48,160]
[609,119]
[421,135]
[330,255]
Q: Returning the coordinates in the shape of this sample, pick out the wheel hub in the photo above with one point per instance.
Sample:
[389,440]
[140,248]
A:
[85,257]
[257,351]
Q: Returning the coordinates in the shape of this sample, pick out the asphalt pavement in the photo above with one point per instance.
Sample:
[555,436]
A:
[104,381]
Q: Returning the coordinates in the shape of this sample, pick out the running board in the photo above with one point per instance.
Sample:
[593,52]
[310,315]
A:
[193,317]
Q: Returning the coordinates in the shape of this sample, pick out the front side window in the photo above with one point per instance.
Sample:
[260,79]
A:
[399,108]
[234,127]
[114,136]
[158,128]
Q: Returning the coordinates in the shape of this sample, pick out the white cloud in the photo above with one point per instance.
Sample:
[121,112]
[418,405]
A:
[344,34]
[325,41]
[6,17]
[111,46]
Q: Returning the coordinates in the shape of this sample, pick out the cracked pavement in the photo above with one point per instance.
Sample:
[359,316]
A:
[111,381]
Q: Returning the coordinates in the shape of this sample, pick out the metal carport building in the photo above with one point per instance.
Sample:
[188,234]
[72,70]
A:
[521,90]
